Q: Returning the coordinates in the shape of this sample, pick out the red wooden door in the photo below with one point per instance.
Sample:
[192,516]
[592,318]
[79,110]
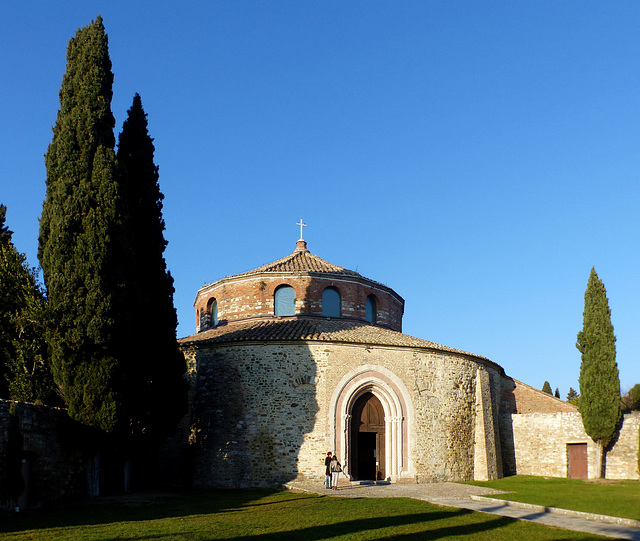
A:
[578,463]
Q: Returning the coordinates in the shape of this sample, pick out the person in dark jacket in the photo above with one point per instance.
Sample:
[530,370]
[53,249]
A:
[327,463]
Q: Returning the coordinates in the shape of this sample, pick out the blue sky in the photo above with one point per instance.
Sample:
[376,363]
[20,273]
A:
[477,157]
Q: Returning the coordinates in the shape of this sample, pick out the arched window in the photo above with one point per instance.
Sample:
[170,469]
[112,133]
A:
[331,302]
[371,310]
[285,301]
[212,310]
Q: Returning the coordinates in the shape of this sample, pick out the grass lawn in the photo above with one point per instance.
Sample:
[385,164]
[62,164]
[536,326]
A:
[615,498]
[266,515]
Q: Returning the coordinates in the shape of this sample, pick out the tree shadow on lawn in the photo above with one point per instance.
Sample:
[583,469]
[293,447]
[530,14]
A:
[134,507]
[430,530]
[159,506]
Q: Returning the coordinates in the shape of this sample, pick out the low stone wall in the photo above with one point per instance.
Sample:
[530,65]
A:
[52,464]
[539,442]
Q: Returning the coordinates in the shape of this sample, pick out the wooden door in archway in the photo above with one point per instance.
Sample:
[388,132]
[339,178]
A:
[367,443]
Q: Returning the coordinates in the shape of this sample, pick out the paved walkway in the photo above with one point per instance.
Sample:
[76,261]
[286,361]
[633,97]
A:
[480,499]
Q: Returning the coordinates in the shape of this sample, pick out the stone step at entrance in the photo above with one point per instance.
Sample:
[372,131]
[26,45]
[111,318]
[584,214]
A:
[369,483]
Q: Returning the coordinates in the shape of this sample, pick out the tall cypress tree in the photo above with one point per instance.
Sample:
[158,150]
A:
[599,379]
[155,396]
[81,242]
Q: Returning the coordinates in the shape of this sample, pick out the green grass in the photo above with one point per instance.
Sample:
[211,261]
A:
[615,498]
[264,516]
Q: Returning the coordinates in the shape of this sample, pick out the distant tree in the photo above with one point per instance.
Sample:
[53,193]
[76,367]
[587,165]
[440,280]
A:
[81,247]
[24,370]
[599,379]
[572,394]
[631,401]
[155,395]
[557,393]
[546,388]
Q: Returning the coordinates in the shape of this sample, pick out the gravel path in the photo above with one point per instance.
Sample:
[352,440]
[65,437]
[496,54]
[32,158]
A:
[427,491]
[476,499]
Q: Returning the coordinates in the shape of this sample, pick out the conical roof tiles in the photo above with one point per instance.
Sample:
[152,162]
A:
[302,261]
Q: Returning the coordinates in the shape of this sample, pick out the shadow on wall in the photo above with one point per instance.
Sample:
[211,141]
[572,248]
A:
[253,403]
[507,408]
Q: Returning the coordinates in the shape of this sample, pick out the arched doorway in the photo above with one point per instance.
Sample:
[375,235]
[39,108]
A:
[381,397]
[367,438]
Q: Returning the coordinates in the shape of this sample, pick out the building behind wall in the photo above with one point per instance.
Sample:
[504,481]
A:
[542,435]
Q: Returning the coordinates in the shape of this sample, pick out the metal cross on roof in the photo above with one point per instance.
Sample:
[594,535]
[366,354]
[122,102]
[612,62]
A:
[301,224]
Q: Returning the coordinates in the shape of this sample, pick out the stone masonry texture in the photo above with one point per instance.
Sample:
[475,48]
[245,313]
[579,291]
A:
[261,412]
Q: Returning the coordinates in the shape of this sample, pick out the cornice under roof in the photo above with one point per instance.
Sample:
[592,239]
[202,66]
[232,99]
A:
[319,329]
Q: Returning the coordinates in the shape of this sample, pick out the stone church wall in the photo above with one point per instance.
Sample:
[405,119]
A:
[261,413]
[539,445]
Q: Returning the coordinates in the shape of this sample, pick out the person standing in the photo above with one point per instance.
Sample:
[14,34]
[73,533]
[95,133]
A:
[335,469]
[327,464]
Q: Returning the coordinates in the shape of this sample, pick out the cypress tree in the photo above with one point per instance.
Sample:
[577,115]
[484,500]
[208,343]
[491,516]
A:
[546,388]
[599,381]
[155,396]
[24,370]
[81,244]
[572,394]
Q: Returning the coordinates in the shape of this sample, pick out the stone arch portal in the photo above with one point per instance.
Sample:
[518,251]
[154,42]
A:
[375,399]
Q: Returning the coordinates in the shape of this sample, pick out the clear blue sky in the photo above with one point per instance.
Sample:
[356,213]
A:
[477,157]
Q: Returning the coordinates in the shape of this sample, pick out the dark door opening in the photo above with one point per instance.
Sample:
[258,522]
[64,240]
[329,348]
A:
[367,455]
[366,445]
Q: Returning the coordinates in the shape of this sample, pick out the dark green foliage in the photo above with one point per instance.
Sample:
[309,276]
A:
[599,380]
[24,370]
[546,388]
[112,324]
[155,395]
[5,233]
[557,393]
[82,248]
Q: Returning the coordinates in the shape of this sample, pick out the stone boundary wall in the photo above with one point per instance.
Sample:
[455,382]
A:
[539,445]
[52,464]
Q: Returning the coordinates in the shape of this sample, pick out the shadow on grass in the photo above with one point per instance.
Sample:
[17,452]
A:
[435,524]
[137,507]
[365,526]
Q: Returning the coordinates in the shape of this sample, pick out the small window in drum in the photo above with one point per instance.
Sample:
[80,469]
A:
[285,301]
[213,312]
[331,302]
[371,312]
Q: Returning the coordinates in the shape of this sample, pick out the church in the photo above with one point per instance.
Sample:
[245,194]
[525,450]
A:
[302,356]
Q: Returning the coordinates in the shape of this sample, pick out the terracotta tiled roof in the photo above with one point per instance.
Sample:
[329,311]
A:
[302,261]
[312,328]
